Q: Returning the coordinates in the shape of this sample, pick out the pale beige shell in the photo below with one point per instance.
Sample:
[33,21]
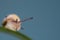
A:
[11,26]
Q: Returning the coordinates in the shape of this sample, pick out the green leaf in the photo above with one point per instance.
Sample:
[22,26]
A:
[15,33]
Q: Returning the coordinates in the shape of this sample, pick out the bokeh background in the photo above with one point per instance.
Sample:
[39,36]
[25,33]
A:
[46,22]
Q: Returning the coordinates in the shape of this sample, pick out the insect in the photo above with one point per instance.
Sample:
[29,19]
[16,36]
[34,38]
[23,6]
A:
[13,22]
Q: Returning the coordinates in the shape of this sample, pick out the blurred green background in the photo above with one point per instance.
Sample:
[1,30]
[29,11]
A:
[46,22]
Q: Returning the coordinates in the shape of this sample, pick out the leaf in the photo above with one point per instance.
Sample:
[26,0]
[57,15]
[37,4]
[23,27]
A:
[15,33]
